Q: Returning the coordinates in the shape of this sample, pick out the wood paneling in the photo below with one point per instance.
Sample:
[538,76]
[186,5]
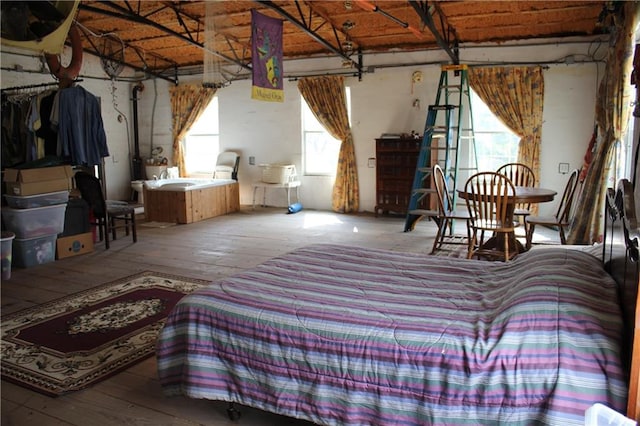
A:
[191,206]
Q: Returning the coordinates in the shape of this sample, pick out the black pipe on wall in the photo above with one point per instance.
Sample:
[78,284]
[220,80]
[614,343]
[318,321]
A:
[137,160]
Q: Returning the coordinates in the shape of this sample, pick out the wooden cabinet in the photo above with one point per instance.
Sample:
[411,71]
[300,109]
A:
[396,160]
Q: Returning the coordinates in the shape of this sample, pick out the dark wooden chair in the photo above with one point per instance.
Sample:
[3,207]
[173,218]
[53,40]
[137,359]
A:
[447,213]
[107,216]
[562,217]
[487,195]
[520,175]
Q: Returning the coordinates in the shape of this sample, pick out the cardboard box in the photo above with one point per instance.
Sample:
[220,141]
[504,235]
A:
[38,181]
[74,245]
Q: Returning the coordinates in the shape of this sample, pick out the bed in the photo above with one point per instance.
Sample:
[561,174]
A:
[342,335]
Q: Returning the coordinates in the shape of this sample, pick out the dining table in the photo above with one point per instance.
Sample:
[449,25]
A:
[523,195]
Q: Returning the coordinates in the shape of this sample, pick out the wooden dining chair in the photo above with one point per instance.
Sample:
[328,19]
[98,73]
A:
[447,213]
[562,217]
[487,195]
[520,175]
[107,215]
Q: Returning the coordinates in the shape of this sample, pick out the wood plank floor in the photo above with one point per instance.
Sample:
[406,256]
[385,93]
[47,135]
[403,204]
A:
[210,249]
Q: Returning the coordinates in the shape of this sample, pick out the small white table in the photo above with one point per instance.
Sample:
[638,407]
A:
[286,186]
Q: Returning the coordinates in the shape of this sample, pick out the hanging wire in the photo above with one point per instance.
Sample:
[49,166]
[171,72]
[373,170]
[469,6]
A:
[121,116]
[212,75]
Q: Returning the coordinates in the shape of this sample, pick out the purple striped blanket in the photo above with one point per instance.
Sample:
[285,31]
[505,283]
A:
[343,335]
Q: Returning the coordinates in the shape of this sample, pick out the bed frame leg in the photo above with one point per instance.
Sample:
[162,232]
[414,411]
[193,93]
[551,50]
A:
[233,413]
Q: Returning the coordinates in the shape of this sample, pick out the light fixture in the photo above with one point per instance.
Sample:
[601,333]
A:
[416,77]
[348,25]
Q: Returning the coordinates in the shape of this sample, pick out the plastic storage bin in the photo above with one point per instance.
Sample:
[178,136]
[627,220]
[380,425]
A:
[36,222]
[601,415]
[40,200]
[278,173]
[6,240]
[34,251]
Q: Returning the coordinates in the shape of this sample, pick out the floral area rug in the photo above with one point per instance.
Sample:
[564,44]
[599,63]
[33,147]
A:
[73,342]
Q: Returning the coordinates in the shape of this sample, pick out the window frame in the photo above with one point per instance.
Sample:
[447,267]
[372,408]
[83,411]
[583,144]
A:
[209,120]
[497,128]
[315,128]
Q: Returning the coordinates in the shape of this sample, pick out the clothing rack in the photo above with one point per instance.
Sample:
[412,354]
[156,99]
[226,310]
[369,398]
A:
[33,86]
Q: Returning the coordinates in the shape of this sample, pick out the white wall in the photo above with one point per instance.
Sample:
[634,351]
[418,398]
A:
[568,122]
[381,103]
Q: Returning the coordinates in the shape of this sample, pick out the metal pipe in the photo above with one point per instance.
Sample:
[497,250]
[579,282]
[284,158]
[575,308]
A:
[137,161]
[373,8]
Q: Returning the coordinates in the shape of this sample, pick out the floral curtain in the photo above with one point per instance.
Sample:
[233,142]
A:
[188,102]
[327,100]
[612,116]
[516,96]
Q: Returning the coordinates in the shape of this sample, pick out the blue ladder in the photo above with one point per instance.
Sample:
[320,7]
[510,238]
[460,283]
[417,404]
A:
[423,191]
[449,122]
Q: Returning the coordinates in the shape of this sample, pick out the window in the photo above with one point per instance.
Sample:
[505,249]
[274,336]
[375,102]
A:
[202,143]
[495,143]
[320,149]
[622,156]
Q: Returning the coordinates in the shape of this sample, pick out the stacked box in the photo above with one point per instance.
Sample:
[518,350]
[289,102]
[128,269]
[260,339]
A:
[35,222]
[38,181]
[38,200]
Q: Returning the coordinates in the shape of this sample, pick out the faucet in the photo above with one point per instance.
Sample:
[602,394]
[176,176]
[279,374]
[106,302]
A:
[164,174]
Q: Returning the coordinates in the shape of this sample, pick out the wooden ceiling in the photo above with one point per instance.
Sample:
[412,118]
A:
[161,37]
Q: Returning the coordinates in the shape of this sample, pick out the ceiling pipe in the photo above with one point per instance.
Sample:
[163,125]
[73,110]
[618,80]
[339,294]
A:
[373,8]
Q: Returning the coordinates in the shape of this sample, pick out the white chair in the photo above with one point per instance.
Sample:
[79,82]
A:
[227,165]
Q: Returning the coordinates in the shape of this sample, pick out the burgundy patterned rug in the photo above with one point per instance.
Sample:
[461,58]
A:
[73,342]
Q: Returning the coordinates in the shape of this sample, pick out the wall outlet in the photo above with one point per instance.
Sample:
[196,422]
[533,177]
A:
[371,162]
[563,168]
[252,160]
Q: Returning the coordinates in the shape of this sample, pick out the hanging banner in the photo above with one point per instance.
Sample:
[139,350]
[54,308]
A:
[266,58]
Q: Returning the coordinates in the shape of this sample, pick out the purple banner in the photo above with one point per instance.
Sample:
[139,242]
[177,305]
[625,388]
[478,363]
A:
[266,58]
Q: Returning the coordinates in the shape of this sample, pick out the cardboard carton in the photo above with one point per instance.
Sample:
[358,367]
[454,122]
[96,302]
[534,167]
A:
[38,181]
[74,245]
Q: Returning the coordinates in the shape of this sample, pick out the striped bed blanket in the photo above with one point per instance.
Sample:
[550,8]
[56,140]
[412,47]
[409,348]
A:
[342,335]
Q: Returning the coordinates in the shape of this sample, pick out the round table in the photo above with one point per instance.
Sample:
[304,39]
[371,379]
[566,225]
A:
[525,195]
